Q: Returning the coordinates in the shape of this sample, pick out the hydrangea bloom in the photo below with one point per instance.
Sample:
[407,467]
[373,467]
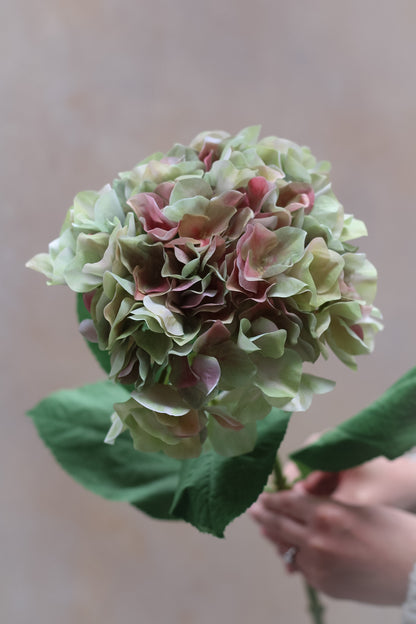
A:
[212,273]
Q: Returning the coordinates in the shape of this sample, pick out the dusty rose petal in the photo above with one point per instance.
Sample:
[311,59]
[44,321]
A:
[164,190]
[88,331]
[194,226]
[257,190]
[148,208]
[227,422]
[297,193]
[216,334]
[87,299]
[189,425]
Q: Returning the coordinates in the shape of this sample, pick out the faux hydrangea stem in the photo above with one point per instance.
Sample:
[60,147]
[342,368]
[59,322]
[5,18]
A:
[280,481]
[315,606]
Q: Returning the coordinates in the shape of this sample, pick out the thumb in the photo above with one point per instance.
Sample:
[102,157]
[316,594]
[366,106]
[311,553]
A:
[321,483]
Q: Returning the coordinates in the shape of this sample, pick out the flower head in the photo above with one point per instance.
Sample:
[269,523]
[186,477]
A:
[212,273]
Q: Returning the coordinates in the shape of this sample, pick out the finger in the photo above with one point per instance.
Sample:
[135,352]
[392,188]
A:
[279,528]
[290,567]
[260,514]
[321,483]
[266,518]
[271,531]
[282,547]
[291,471]
[289,555]
[296,504]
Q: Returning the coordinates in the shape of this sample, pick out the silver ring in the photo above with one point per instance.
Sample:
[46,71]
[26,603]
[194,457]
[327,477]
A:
[290,555]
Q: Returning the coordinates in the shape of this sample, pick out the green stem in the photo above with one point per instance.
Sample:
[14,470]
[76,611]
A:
[280,481]
[315,606]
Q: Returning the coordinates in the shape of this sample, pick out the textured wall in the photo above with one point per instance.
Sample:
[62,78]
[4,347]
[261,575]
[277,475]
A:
[88,89]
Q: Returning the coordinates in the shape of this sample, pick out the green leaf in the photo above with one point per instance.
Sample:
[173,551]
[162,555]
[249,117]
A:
[74,423]
[209,491]
[386,427]
[213,490]
[102,357]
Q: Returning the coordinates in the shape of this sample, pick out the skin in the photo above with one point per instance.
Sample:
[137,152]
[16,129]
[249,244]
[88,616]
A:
[379,482]
[354,538]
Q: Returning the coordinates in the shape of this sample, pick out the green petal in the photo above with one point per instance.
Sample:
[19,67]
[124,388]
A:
[42,263]
[294,168]
[161,398]
[230,443]
[102,357]
[278,378]
[189,188]
[189,205]
[352,228]
[170,322]
[224,176]
[309,386]
[328,211]
[156,345]
[362,275]
[286,287]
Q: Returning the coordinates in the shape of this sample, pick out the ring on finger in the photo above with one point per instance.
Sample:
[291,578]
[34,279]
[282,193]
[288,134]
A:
[290,555]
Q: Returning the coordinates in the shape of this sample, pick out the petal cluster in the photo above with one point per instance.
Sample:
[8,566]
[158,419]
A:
[212,273]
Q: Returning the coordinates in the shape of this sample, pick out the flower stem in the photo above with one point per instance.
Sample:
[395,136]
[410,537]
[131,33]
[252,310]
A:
[315,606]
[280,481]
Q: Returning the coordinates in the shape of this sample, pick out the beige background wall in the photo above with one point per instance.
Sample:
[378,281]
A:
[88,89]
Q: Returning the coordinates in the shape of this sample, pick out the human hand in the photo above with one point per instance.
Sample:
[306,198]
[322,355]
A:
[362,553]
[378,482]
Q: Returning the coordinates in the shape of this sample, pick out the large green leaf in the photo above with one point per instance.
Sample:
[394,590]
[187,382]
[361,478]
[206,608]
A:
[213,490]
[102,357]
[74,423]
[386,427]
[209,492]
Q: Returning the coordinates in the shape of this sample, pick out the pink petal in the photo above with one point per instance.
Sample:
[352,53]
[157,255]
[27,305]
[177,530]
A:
[357,329]
[189,425]
[257,188]
[164,191]
[87,299]
[227,422]
[208,370]
[148,208]
[216,334]
[88,331]
[297,192]
[182,375]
